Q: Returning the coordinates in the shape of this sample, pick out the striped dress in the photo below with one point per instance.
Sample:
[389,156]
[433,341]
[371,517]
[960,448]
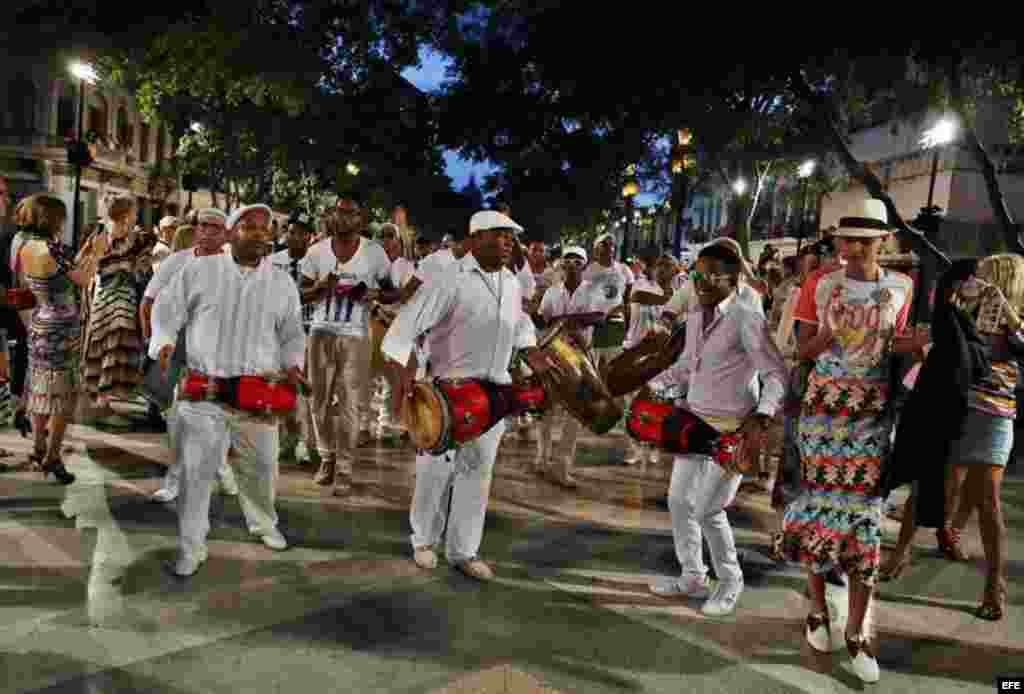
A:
[53,345]
[114,347]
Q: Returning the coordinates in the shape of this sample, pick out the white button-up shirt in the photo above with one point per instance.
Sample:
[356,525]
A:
[475,320]
[558,301]
[435,265]
[240,322]
[720,363]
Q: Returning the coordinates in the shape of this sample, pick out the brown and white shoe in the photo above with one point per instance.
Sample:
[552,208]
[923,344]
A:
[325,475]
[475,568]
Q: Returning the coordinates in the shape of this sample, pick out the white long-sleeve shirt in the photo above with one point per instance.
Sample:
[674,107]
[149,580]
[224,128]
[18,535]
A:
[558,301]
[435,265]
[169,268]
[721,363]
[241,321]
[475,320]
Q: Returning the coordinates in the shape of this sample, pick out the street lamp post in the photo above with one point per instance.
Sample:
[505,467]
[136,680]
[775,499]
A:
[630,189]
[928,221]
[804,172]
[85,73]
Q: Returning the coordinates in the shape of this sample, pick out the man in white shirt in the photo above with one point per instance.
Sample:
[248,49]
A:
[614,281]
[243,319]
[209,237]
[579,298]
[475,319]
[165,233]
[343,274]
[289,260]
[727,347]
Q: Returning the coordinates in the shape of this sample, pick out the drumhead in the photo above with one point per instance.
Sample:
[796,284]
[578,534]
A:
[425,417]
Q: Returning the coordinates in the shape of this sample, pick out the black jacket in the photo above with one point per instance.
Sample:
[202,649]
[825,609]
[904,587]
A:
[933,417]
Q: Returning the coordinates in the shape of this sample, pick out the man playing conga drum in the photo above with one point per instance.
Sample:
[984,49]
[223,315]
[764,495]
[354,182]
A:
[727,345]
[475,319]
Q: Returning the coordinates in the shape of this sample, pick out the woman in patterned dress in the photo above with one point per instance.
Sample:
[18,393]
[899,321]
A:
[844,430]
[43,265]
[113,346]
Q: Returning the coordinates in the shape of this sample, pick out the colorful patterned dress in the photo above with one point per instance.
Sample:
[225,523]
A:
[114,348]
[53,345]
[844,428]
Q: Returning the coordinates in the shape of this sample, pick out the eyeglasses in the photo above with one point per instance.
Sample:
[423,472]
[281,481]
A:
[698,276]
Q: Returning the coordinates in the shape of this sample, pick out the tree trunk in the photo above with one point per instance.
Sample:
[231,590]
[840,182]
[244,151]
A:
[825,111]
[988,169]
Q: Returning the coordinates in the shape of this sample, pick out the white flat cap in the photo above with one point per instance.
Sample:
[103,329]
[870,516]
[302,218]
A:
[489,219]
[237,215]
[575,250]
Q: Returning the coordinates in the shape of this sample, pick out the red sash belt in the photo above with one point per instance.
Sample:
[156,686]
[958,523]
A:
[247,393]
[20,299]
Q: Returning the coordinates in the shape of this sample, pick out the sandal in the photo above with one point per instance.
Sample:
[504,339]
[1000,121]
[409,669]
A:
[949,544]
[994,604]
[894,568]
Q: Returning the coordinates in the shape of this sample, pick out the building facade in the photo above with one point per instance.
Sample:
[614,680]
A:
[39,112]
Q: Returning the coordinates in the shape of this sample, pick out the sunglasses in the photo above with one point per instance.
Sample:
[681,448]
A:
[698,276]
[572,261]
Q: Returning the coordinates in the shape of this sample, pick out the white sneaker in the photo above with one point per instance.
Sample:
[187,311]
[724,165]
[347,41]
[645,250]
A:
[693,587]
[273,539]
[425,558]
[865,666]
[723,601]
[164,495]
[822,634]
[187,566]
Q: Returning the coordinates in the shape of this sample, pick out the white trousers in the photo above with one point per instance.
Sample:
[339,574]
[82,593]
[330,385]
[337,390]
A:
[172,478]
[205,432]
[697,496]
[464,476]
[564,455]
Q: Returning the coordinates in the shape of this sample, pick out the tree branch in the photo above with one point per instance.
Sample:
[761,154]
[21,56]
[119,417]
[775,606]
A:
[826,112]
[988,169]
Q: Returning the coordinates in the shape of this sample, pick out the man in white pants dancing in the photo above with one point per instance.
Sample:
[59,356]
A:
[243,319]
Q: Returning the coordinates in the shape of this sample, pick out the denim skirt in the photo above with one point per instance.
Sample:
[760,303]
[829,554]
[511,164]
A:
[987,440]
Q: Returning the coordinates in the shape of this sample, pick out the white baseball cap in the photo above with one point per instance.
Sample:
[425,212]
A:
[211,213]
[489,219]
[237,215]
[168,222]
[575,250]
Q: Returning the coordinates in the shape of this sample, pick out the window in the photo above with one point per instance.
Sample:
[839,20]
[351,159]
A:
[21,104]
[98,115]
[144,135]
[66,112]
[124,129]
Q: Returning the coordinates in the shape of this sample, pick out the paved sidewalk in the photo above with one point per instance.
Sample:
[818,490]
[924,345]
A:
[86,607]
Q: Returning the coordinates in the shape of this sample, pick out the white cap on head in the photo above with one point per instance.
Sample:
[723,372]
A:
[575,250]
[489,219]
[237,215]
[210,213]
[168,222]
[602,238]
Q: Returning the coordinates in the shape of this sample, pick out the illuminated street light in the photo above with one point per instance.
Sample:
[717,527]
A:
[352,169]
[740,186]
[196,127]
[84,72]
[806,169]
[804,172]
[942,133]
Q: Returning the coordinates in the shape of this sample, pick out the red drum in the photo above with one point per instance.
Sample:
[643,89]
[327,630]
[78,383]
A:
[20,299]
[248,393]
[675,430]
[446,414]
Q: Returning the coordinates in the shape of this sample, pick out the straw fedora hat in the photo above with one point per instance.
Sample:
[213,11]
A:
[872,223]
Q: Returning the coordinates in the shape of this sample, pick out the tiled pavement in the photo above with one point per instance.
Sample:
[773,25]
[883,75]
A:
[86,607]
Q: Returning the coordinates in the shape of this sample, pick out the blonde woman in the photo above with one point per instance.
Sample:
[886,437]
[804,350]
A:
[43,265]
[113,351]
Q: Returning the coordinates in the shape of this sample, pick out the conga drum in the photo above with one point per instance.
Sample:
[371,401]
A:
[445,414]
[659,422]
[576,381]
